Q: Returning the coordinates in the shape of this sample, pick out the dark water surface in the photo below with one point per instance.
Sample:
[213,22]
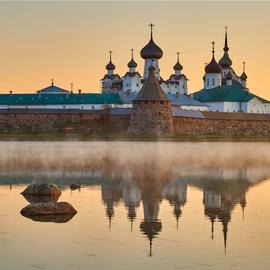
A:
[141,205]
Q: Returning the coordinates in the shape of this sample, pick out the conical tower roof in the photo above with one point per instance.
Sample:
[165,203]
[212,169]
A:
[151,89]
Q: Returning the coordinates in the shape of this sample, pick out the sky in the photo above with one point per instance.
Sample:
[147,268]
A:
[69,41]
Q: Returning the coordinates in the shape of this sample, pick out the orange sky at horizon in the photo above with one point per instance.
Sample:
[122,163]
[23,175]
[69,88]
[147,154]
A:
[69,41]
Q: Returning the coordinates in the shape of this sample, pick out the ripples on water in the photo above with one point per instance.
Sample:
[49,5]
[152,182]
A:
[188,202]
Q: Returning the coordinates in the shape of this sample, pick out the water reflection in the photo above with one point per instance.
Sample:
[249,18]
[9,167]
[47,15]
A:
[40,199]
[222,190]
[50,218]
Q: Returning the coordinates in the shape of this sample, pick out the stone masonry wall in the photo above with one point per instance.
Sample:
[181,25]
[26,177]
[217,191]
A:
[196,126]
[103,123]
[151,118]
[86,123]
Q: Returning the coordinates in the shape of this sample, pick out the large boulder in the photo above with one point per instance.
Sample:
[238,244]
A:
[42,189]
[48,208]
[49,211]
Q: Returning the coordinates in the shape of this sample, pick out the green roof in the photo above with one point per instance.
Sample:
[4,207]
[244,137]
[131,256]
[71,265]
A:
[51,99]
[229,93]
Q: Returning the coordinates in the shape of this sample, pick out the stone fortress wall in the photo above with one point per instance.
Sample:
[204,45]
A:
[105,123]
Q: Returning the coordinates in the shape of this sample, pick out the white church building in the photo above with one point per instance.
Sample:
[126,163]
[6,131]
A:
[224,90]
[128,86]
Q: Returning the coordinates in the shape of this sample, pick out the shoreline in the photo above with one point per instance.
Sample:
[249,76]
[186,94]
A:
[19,136]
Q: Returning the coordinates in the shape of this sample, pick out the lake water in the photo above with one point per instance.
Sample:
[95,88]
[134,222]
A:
[141,205]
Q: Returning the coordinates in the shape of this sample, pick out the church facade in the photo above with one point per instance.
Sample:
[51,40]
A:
[223,90]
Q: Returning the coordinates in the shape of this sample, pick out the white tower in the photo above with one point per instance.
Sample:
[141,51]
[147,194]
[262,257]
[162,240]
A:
[132,79]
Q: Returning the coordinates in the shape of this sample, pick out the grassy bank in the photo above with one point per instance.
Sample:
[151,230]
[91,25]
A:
[184,137]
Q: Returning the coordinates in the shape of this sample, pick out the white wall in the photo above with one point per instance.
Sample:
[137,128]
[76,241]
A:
[232,107]
[256,106]
[147,64]
[212,80]
[195,108]
[132,83]
[215,106]
[58,106]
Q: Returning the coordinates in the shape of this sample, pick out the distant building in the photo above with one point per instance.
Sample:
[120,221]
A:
[130,84]
[224,91]
[57,98]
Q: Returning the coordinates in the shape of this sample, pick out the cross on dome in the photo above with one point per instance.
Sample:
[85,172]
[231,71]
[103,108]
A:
[151,27]
[213,46]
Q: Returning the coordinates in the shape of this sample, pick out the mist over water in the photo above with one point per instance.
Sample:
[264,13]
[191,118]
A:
[123,157]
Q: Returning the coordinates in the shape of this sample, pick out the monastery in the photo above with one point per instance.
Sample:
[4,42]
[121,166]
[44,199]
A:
[223,89]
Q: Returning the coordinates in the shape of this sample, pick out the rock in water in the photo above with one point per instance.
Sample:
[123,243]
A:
[49,211]
[74,186]
[43,189]
[40,199]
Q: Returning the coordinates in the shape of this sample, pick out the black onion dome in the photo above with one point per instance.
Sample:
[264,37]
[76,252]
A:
[177,66]
[132,63]
[229,76]
[151,51]
[225,61]
[243,77]
[213,67]
[110,66]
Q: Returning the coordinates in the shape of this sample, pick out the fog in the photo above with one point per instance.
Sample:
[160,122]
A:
[124,156]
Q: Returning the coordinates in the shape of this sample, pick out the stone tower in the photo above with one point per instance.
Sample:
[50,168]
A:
[152,112]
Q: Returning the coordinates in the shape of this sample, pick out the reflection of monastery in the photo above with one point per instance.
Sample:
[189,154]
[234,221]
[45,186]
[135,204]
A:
[223,90]
[219,199]
[222,192]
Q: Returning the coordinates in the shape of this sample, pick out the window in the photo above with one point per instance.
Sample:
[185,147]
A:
[207,82]
[213,82]
[93,107]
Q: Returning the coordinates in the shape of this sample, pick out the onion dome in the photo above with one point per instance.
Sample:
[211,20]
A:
[213,66]
[132,63]
[178,66]
[151,50]
[244,76]
[229,76]
[225,61]
[110,65]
